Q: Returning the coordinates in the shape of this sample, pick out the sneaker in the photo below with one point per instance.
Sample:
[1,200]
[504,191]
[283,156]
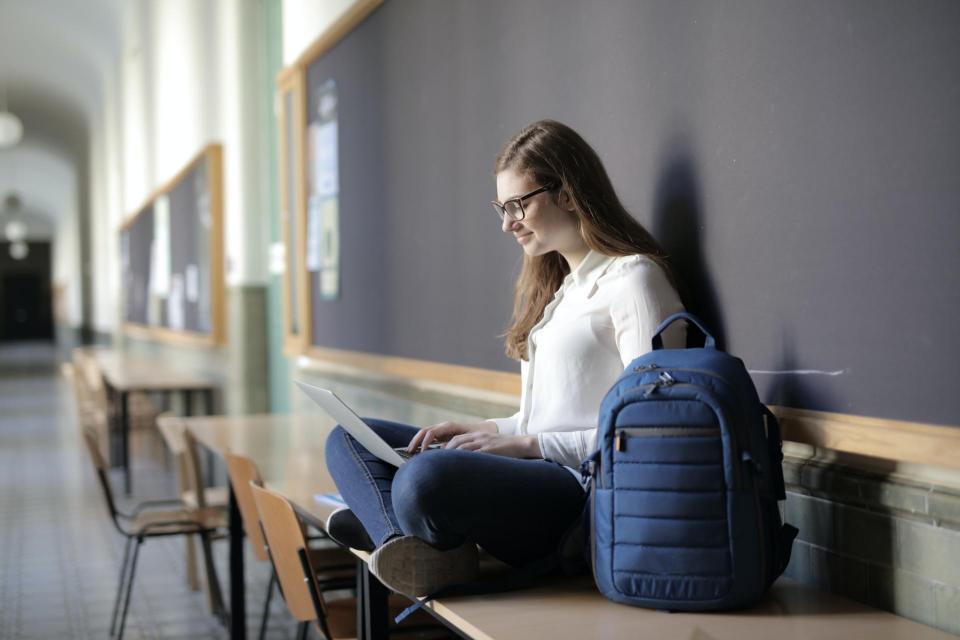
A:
[408,565]
[345,529]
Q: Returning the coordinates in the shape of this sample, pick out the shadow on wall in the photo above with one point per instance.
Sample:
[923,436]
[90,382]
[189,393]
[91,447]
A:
[678,227]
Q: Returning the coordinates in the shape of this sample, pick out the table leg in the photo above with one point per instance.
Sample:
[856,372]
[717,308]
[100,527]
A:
[125,440]
[211,458]
[238,615]
[113,426]
[372,608]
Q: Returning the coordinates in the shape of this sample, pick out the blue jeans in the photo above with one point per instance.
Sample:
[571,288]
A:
[515,509]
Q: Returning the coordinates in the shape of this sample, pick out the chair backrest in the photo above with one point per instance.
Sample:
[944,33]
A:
[183,446]
[243,471]
[288,545]
[92,441]
[192,470]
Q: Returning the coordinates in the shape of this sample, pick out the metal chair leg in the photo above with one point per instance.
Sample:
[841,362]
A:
[266,604]
[120,586]
[214,594]
[126,603]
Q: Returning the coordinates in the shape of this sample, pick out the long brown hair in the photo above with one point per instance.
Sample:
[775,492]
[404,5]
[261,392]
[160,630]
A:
[552,153]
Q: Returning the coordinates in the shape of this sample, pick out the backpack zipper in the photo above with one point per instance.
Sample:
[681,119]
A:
[666,380]
[619,442]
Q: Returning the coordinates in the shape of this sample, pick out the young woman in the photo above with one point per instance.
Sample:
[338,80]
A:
[593,288]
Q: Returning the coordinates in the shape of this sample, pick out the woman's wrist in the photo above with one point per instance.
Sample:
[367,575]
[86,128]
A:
[532,447]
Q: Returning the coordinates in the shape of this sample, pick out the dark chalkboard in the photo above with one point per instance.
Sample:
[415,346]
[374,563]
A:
[191,254]
[136,244]
[799,160]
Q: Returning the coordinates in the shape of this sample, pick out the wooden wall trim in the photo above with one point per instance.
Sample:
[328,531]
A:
[875,437]
[338,30]
[411,370]
[896,440]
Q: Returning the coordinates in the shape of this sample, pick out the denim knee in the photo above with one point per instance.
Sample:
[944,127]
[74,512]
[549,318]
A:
[336,443]
[425,497]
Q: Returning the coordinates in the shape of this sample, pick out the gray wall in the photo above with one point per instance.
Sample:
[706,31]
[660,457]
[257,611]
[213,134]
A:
[798,159]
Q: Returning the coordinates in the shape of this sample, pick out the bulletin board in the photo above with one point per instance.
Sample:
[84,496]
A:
[801,176]
[172,257]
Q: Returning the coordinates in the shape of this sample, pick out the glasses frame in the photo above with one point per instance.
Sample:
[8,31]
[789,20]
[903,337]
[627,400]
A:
[501,208]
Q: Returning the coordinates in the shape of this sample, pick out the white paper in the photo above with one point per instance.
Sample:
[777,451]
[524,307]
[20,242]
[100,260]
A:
[329,283]
[175,303]
[193,283]
[314,234]
[160,255]
[278,258]
[323,142]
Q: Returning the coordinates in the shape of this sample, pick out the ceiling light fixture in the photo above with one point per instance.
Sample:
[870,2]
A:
[11,128]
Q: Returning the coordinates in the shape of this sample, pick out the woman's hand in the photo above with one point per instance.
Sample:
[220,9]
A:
[498,444]
[444,431]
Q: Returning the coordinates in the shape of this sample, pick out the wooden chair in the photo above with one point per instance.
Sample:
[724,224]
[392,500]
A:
[303,593]
[152,519]
[332,565]
[193,493]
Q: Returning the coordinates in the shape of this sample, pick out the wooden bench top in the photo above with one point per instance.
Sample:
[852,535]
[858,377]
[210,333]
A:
[289,453]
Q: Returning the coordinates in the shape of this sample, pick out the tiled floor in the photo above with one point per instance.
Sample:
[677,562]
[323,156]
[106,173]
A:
[59,554]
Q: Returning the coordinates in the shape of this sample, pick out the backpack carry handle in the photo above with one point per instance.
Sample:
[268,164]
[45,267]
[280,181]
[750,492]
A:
[708,340]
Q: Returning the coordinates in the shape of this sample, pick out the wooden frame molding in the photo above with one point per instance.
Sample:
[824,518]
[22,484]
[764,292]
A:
[337,31]
[874,437]
[896,440]
[413,371]
[212,154]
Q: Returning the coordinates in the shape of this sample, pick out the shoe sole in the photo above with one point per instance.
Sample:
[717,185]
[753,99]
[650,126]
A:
[410,566]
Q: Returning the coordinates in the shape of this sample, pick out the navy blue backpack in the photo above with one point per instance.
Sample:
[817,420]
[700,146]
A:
[685,483]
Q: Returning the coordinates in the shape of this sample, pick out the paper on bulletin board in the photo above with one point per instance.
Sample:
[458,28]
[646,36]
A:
[330,253]
[192,276]
[326,179]
[314,239]
[323,211]
[160,267]
[175,314]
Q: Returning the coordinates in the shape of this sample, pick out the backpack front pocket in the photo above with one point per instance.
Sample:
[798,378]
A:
[670,532]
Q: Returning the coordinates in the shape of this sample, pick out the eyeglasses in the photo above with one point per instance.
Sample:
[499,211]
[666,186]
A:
[514,206]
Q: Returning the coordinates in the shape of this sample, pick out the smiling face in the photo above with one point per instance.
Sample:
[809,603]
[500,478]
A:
[550,223]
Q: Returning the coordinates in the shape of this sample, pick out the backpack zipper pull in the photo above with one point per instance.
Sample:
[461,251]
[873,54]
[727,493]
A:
[618,441]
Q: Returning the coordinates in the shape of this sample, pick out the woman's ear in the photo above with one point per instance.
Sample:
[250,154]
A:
[564,201]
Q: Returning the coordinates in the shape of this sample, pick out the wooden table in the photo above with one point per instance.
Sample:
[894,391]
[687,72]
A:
[125,373]
[289,452]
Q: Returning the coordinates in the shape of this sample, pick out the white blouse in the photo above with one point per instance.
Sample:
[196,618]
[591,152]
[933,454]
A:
[600,319]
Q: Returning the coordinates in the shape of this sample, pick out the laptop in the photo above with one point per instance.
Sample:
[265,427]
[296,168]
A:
[337,409]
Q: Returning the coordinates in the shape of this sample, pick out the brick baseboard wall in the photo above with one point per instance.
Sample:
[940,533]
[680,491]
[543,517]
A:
[889,543]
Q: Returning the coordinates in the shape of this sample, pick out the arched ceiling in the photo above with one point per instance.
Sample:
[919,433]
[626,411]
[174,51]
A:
[55,59]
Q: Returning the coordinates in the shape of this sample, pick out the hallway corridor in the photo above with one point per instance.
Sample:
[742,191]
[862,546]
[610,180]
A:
[59,554]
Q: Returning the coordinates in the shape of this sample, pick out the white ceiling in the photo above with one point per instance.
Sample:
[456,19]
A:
[55,58]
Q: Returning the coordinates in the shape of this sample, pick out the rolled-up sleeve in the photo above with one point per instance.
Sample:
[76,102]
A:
[569,448]
[647,299]
[506,426]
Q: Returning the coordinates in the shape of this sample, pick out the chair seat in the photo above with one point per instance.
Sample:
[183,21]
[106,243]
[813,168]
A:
[151,523]
[213,496]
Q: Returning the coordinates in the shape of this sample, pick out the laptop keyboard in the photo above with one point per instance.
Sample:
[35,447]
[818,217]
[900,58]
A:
[406,455]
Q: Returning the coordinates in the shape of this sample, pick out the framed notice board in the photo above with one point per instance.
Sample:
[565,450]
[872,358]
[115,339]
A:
[172,257]
[807,199]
